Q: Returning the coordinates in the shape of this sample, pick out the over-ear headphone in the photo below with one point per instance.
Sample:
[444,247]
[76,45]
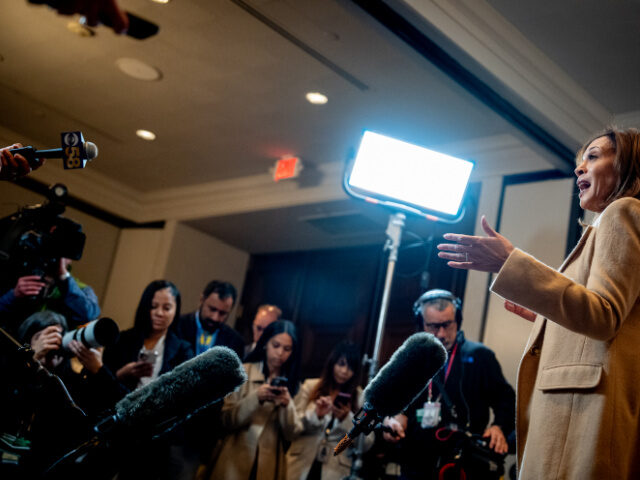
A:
[436,294]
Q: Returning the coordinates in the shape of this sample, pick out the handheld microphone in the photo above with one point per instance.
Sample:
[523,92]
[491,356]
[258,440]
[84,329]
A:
[397,384]
[176,395]
[74,151]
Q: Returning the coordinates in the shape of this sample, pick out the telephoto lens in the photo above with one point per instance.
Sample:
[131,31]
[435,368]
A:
[98,333]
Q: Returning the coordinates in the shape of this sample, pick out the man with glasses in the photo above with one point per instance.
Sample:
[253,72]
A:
[458,400]
[206,327]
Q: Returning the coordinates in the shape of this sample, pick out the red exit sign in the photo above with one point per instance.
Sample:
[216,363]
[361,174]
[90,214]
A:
[289,167]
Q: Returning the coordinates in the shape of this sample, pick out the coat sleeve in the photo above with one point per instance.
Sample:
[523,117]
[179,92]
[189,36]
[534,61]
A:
[598,308]
[239,407]
[308,420]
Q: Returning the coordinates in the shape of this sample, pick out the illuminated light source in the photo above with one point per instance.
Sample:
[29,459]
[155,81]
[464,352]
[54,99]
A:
[146,135]
[161,1]
[408,176]
[289,167]
[317,98]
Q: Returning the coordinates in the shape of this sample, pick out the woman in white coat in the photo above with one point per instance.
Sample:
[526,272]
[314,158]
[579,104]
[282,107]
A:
[325,408]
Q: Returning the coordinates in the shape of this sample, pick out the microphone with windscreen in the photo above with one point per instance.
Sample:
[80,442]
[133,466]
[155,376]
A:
[397,384]
[154,410]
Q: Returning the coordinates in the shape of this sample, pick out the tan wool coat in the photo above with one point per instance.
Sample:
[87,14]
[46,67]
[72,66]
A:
[311,437]
[578,391]
[254,429]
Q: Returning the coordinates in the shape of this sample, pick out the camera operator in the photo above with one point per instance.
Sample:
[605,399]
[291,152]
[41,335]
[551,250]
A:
[14,166]
[432,432]
[58,291]
[39,422]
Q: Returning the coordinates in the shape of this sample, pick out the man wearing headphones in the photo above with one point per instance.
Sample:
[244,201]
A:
[457,401]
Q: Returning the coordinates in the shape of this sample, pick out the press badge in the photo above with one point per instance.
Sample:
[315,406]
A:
[323,452]
[430,414]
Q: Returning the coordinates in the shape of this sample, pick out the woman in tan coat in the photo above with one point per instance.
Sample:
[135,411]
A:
[578,392]
[260,417]
[325,408]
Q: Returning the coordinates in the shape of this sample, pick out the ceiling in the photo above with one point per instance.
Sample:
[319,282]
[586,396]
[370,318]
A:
[230,101]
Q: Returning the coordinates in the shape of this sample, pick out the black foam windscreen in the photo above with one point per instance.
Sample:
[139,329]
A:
[406,374]
[192,385]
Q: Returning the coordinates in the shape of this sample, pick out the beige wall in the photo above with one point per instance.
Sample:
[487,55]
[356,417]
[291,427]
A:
[535,218]
[197,258]
[178,253]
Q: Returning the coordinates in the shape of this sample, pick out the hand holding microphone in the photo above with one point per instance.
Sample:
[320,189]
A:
[14,165]
[397,384]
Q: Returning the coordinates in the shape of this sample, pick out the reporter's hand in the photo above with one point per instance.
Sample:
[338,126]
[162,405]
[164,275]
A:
[93,10]
[341,411]
[497,440]
[13,166]
[284,397]
[90,358]
[323,406]
[396,426]
[136,370]
[63,267]
[518,310]
[266,393]
[28,286]
[45,341]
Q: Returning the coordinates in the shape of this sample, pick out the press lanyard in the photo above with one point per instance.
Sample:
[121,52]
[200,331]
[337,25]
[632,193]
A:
[446,374]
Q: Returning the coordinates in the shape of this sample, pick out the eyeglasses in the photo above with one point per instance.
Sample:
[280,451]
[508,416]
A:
[435,327]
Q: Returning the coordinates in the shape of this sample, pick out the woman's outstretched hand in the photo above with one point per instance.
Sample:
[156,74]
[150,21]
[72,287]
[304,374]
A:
[486,254]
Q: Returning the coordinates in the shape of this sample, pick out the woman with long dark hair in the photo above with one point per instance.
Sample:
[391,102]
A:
[260,416]
[141,354]
[150,348]
[326,407]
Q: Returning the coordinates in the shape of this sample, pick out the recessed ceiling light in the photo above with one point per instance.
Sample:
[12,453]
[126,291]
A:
[138,69]
[317,98]
[146,135]
[160,1]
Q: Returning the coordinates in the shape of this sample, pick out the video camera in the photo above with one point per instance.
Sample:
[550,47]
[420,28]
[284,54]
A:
[33,239]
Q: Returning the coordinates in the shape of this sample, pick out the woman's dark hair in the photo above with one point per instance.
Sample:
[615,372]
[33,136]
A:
[39,321]
[626,145]
[290,367]
[142,321]
[327,382]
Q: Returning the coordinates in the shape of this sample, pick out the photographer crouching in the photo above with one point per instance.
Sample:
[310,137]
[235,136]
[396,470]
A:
[44,419]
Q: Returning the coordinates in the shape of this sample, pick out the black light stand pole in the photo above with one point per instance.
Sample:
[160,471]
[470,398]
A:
[394,234]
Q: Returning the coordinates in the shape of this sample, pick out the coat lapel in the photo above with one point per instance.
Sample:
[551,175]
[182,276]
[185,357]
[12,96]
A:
[576,250]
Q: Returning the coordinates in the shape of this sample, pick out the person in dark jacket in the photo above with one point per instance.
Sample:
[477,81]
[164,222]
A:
[206,328]
[458,401]
[142,353]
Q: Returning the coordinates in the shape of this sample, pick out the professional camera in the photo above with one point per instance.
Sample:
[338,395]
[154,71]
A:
[33,239]
[102,332]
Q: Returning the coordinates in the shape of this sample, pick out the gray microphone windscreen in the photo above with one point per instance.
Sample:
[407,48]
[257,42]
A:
[406,374]
[192,385]
[91,149]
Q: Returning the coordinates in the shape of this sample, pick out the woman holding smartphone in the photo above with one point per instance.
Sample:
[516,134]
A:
[260,416]
[149,348]
[325,408]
